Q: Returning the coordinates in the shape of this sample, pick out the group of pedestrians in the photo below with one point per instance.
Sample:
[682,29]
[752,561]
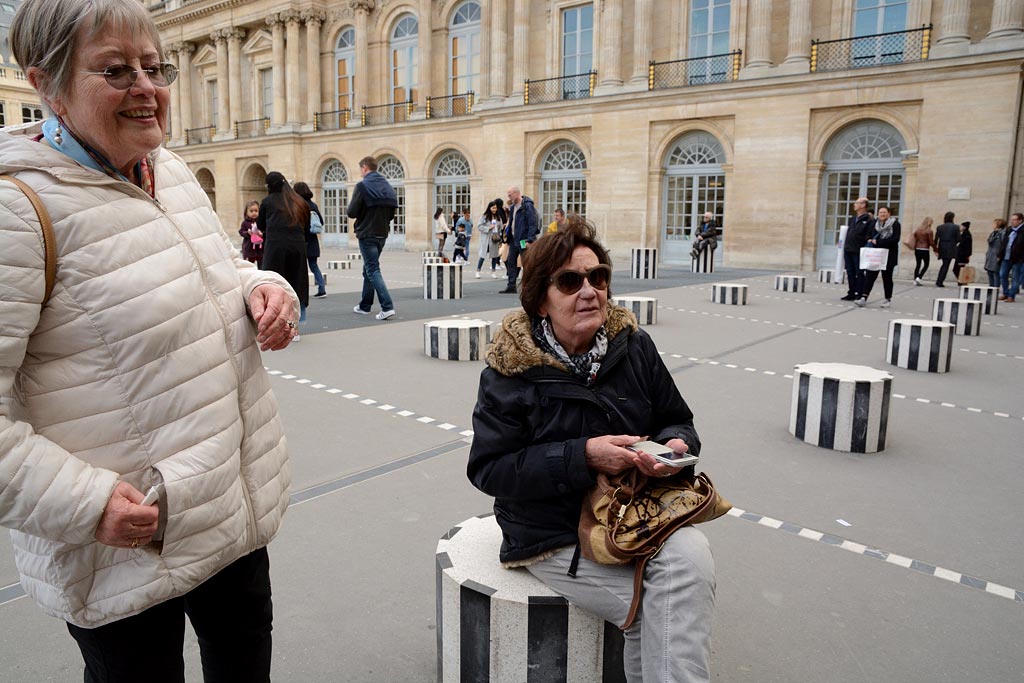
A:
[1004,258]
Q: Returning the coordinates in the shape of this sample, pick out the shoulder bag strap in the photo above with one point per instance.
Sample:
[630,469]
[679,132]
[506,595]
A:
[49,241]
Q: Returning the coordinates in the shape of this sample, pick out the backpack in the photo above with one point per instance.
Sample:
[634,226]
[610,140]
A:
[316,226]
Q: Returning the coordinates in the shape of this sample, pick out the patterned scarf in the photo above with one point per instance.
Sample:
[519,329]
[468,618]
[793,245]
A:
[583,365]
[885,232]
[142,173]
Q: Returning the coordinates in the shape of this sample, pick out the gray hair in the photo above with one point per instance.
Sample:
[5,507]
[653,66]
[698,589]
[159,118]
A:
[46,34]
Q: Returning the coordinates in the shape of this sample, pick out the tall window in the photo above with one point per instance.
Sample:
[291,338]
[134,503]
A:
[3,114]
[577,40]
[391,168]
[267,93]
[345,58]
[451,183]
[872,17]
[694,184]
[464,49]
[30,113]
[863,160]
[335,204]
[211,99]
[562,182]
[404,43]
[709,28]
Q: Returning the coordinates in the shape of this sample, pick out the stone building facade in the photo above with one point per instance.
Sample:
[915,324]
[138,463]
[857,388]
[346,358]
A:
[19,102]
[639,114]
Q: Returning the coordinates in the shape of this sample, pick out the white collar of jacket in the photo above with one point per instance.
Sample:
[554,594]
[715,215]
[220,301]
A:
[514,350]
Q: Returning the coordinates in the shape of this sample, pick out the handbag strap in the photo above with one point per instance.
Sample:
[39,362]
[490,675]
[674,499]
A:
[49,240]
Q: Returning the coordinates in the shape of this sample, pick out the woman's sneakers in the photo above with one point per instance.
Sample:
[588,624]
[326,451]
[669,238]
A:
[885,304]
[384,315]
[862,302]
[494,274]
[478,275]
[917,282]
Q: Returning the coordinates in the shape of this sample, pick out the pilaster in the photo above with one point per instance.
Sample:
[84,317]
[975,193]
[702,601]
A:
[293,22]
[234,38]
[361,9]
[520,45]
[641,41]
[276,24]
[759,37]
[313,19]
[1007,19]
[224,129]
[499,49]
[611,48]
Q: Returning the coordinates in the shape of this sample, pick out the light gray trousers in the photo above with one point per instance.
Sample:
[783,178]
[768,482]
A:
[670,640]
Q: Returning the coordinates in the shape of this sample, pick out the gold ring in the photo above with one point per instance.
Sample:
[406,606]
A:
[135,542]
[292,324]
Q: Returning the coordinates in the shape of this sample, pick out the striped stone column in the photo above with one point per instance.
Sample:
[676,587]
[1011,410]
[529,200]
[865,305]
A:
[988,295]
[645,308]
[643,263]
[496,624]
[727,293]
[704,263]
[456,339]
[442,281]
[433,259]
[790,283]
[354,257]
[339,265]
[841,407]
[924,345]
[963,314]
[831,277]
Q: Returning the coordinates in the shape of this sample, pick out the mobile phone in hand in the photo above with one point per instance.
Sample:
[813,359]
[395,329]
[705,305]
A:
[664,454]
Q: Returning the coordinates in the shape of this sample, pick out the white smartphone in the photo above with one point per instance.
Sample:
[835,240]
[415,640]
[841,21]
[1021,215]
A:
[664,454]
[152,496]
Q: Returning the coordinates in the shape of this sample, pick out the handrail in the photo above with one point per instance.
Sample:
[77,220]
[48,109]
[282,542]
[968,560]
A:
[395,112]
[252,127]
[331,120]
[571,87]
[894,47]
[197,136]
[450,105]
[678,73]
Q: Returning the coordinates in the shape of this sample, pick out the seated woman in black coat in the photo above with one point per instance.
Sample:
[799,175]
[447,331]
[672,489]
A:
[571,381]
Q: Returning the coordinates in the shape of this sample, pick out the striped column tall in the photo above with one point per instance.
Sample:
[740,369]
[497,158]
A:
[643,263]
[704,263]
[456,339]
[496,624]
[989,295]
[790,283]
[841,407]
[442,280]
[728,293]
[339,265]
[925,345]
[831,277]
[963,314]
[645,308]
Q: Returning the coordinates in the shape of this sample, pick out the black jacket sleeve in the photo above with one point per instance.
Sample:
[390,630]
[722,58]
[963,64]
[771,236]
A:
[356,204]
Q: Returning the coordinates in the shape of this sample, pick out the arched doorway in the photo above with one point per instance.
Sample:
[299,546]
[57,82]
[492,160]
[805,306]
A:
[563,183]
[254,184]
[334,204]
[391,168]
[694,184]
[862,160]
[209,185]
[451,182]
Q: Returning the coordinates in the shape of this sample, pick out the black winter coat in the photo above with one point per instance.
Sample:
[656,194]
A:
[1017,251]
[284,245]
[373,205]
[857,233]
[965,247]
[532,421]
[946,237]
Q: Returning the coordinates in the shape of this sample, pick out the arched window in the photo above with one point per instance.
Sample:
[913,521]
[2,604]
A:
[464,49]
[862,160]
[562,181]
[451,182]
[335,198]
[345,60]
[209,185]
[694,184]
[254,184]
[404,43]
[391,168]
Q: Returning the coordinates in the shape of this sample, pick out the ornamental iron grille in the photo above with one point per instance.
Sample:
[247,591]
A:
[450,105]
[575,87]
[335,198]
[896,47]
[198,136]
[391,168]
[331,120]
[563,182]
[380,114]
[251,128]
[694,71]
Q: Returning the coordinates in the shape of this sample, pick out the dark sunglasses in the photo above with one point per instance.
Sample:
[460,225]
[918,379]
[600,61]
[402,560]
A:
[571,281]
[123,76]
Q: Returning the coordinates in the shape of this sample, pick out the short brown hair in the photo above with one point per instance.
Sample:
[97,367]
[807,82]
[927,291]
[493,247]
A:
[546,256]
[1000,223]
[369,162]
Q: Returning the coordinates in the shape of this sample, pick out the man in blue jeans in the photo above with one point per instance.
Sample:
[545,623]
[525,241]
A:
[373,205]
[1011,268]
[523,227]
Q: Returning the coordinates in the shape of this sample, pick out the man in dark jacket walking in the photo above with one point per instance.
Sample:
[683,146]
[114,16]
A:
[373,205]
[1011,253]
[523,227]
[856,237]
[946,237]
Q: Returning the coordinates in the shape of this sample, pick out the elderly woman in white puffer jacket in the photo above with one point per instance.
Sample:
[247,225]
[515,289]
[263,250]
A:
[142,370]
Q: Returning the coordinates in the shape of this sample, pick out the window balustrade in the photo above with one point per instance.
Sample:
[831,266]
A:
[574,87]
[897,47]
[680,73]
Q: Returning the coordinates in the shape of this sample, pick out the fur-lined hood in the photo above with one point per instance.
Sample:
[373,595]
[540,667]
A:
[514,350]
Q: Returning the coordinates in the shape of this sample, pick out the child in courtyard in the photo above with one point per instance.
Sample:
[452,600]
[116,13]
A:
[252,238]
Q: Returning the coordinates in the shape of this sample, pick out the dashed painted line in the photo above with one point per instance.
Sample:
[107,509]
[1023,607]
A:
[373,403]
[967,580]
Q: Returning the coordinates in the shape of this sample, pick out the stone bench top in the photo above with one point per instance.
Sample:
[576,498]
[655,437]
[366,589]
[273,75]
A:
[630,297]
[844,372]
[472,555]
[969,302]
[457,323]
[918,322]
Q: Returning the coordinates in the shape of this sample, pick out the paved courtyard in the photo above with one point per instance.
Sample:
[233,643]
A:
[906,565]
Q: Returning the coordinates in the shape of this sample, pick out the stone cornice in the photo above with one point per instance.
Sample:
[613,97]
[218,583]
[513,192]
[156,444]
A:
[313,16]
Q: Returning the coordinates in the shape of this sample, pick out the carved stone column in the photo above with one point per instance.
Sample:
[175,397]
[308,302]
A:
[799,49]
[424,46]
[611,38]
[276,24]
[520,44]
[361,96]
[184,113]
[293,24]
[499,49]
[234,37]
[220,38]
[313,19]
[955,17]
[176,132]
[759,34]
[1007,19]
[483,88]
[641,40]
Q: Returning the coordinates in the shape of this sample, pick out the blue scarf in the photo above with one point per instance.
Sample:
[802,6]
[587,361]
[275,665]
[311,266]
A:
[87,156]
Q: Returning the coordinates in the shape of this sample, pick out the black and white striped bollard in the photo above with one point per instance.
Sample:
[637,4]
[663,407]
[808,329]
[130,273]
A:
[831,277]
[790,283]
[645,308]
[339,265]
[989,295]
[704,263]
[925,345]
[497,624]
[963,314]
[839,406]
[442,281]
[456,339]
[643,263]
[728,293]
[355,257]
[433,259]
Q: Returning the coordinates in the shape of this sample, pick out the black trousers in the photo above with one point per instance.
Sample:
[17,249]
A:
[511,267]
[870,276]
[231,613]
[854,275]
[922,257]
[943,269]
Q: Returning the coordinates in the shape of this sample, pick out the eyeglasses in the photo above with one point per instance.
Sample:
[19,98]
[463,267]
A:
[571,281]
[123,76]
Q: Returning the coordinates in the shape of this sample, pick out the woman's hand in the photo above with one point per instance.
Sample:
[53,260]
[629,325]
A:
[653,468]
[609,454]
[272,309]
[125,523]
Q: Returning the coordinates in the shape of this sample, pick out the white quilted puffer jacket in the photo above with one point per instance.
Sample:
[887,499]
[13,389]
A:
[142,367]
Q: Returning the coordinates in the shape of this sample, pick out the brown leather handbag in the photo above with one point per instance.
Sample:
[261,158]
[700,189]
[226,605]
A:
[628,517]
